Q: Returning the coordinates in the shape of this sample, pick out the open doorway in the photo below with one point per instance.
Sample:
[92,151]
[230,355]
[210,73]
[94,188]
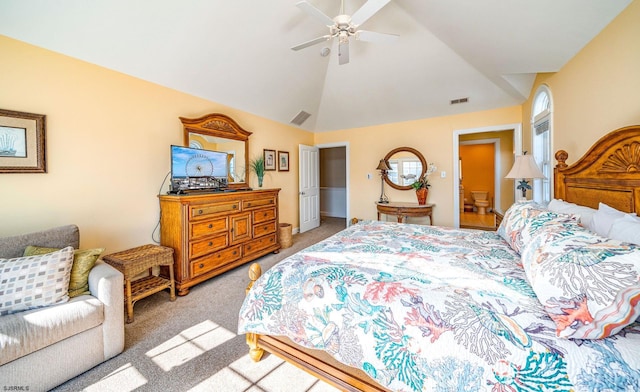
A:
[507,145]
[334,183]
[479,188]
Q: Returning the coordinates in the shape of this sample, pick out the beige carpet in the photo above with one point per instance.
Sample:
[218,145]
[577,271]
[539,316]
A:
[191,344]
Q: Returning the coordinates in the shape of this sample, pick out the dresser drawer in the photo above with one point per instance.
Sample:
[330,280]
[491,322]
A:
[257,203]
[264,215]
[264,229]
[206,246]
[214,260]
[258,244]
[204,210]
[209,227]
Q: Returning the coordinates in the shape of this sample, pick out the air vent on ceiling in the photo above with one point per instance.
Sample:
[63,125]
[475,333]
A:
[300,118]
[459,100]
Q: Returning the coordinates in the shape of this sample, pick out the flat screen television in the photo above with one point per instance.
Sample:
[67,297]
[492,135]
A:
[196,170]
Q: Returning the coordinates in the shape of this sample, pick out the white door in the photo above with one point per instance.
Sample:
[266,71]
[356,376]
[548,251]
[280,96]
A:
[309,187]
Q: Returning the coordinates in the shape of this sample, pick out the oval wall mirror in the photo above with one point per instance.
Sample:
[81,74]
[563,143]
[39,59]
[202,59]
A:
[407,165]
[218,132]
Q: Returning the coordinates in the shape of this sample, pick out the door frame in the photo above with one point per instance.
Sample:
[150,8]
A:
[517,150]
[347,170]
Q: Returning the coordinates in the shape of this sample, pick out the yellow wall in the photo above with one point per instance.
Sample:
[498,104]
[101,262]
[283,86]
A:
[433,137]
[108,138]
[597,91]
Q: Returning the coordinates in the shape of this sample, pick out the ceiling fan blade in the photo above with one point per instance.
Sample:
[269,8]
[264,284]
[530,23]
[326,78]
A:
[312,42]
[371,36]
[343,51]
[367,10]
[316,13]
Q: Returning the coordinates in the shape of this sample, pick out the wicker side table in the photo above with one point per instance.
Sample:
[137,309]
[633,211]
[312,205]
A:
[137,260]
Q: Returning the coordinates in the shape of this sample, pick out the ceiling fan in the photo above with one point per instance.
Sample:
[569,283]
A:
[345,26]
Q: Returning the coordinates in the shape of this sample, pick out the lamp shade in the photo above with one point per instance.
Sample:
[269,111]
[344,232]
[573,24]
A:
[525,166]
[383,166]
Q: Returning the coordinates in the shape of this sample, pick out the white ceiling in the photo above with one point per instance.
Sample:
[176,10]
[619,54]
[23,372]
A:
[238,52]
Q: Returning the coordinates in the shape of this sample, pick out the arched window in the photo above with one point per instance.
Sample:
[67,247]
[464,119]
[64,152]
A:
[541,130]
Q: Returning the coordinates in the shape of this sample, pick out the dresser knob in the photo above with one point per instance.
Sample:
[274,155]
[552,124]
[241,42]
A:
[200,212]
[201,265]
[234,206]
[235,252]
[210,225]
[265,214]
[248,204]
[249,247]
[218,255]
[210,243]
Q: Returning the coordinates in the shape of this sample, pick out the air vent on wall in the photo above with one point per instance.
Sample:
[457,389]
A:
[300,118]
[459,100]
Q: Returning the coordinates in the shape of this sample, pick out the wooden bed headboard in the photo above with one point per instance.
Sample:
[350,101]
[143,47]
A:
[609,172]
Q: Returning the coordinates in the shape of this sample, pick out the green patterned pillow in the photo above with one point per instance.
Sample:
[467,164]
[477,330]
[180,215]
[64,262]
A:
[34,281]
[83,262]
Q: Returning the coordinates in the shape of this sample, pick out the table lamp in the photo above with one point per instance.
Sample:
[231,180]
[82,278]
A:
[384,168]
[524,167]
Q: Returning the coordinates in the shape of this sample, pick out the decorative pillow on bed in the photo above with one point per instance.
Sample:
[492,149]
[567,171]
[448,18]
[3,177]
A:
[585,214]
[526,214]
[34,281]
[83,262]
[588,284]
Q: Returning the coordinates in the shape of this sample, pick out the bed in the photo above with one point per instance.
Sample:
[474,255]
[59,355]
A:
[545,303]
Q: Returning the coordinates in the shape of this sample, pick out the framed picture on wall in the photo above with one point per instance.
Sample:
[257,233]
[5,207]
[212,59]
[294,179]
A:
[269,160]
[283,161]
[22,142]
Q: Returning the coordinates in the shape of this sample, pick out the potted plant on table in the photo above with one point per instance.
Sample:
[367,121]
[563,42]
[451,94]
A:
[257,166]
[421,185]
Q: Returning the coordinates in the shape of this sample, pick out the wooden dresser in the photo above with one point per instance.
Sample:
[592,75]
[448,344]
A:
[213,233]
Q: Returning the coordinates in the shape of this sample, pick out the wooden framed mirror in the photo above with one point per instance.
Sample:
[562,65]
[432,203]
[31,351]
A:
[407,165]
[218,132]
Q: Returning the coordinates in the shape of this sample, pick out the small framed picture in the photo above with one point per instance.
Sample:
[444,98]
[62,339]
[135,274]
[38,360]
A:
[269,160]
[22,142]
[283,161]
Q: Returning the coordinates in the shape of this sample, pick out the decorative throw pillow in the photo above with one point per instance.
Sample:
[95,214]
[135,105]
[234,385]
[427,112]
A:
[34,281]
[83,262]
[513,221]
[528,215]
[588,284]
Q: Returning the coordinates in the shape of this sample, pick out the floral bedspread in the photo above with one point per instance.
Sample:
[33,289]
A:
[425,308]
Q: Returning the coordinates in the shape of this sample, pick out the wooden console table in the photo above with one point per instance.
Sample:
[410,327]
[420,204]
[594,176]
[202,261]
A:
[403,210]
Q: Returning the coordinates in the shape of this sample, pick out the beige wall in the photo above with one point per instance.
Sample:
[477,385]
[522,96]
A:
[432,137]
[597,91]
[108,138]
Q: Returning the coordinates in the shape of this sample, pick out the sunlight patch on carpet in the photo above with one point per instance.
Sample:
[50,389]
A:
[124,379]
[225,380]
[189,344]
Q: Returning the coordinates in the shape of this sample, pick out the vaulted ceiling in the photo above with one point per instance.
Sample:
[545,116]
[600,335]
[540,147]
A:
[237,52]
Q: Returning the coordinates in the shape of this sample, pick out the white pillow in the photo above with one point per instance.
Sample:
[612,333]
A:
[603,219]
[626,229]
[35,281]
[584,213]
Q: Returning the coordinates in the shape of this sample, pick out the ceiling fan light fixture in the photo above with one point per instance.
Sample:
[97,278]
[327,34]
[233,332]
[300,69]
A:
[324,52]
[344,26]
